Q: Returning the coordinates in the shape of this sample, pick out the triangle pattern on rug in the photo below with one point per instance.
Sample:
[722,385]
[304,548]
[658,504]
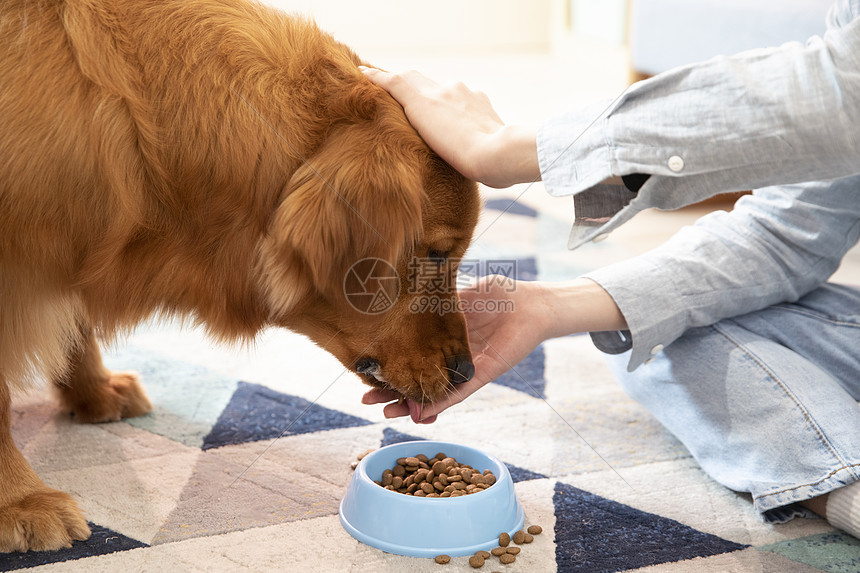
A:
[101,542]
[834,551]
[518,268]
[187,398]
[594,534]
[392,436]
[519,474]
[257,413]
[510,206]
[527,376]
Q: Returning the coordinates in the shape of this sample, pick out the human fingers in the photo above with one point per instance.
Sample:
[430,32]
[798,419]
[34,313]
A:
[457,394]
[396,409]
[399,409]
[394,406]
[426,413]
[379,396]
[403,86]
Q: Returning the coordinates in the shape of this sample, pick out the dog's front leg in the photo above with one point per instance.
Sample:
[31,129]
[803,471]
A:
[95,394]
[32,515]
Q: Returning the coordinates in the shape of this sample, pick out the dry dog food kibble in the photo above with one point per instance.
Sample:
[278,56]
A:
[528,538]
[439,476]
[505,552]
[354,464]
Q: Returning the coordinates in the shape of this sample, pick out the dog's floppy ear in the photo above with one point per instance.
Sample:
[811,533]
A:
[359,196]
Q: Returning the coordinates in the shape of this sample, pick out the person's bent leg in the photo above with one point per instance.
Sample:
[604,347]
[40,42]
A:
[757,414]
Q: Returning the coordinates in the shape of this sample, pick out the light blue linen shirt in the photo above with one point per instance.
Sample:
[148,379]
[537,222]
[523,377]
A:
[784,121]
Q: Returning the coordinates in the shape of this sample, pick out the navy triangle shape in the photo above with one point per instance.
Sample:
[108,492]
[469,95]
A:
[522,269]
[511,206]
[594,535]
[258,413]
[101,542]
[527,269]
[392,436]
[527,376]
[519,474]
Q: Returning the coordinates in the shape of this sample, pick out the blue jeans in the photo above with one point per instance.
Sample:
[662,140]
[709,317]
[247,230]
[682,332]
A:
[765,402]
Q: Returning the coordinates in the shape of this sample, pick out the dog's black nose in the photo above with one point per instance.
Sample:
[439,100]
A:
[460,368]
[367,366]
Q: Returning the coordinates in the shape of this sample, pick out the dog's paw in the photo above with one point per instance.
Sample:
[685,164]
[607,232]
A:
[133,399]
[122,396]
[45,520]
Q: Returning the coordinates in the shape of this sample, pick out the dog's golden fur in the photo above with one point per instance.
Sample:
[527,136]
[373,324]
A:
[216,160]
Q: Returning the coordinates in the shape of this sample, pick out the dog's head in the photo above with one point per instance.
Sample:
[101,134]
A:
[362,253]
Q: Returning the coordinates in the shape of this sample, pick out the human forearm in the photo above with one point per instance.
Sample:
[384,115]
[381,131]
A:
[580,305]
[511,158]
[774,246]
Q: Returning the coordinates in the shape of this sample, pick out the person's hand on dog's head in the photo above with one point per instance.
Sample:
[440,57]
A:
[463,128]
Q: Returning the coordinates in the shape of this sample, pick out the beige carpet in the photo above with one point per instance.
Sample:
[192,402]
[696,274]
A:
[244,460]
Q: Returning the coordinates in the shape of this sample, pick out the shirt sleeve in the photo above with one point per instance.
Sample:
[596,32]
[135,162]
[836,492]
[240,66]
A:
[784,120]
[759,118]
[774,246]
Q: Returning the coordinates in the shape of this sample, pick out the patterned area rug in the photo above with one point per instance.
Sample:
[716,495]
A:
[247,454]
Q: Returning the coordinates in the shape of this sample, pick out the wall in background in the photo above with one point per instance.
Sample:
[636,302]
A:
[599,19]
[443,27]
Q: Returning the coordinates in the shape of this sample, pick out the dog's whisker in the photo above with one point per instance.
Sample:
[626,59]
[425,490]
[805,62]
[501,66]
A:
[453,389]
[446,377]
[424,395]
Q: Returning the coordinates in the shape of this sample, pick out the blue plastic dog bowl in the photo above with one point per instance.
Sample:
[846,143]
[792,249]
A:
[426,527]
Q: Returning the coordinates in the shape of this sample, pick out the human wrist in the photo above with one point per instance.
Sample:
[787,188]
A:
[576,306]
[509,157]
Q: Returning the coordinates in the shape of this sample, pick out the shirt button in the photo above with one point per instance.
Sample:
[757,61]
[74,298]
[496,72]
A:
[657,349]
[600,237]
[676,164]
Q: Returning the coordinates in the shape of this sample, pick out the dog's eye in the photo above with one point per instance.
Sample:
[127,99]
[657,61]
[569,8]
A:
[438,257]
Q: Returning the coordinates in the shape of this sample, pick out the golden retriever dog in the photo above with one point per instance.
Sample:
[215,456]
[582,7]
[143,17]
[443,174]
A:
[216,160]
